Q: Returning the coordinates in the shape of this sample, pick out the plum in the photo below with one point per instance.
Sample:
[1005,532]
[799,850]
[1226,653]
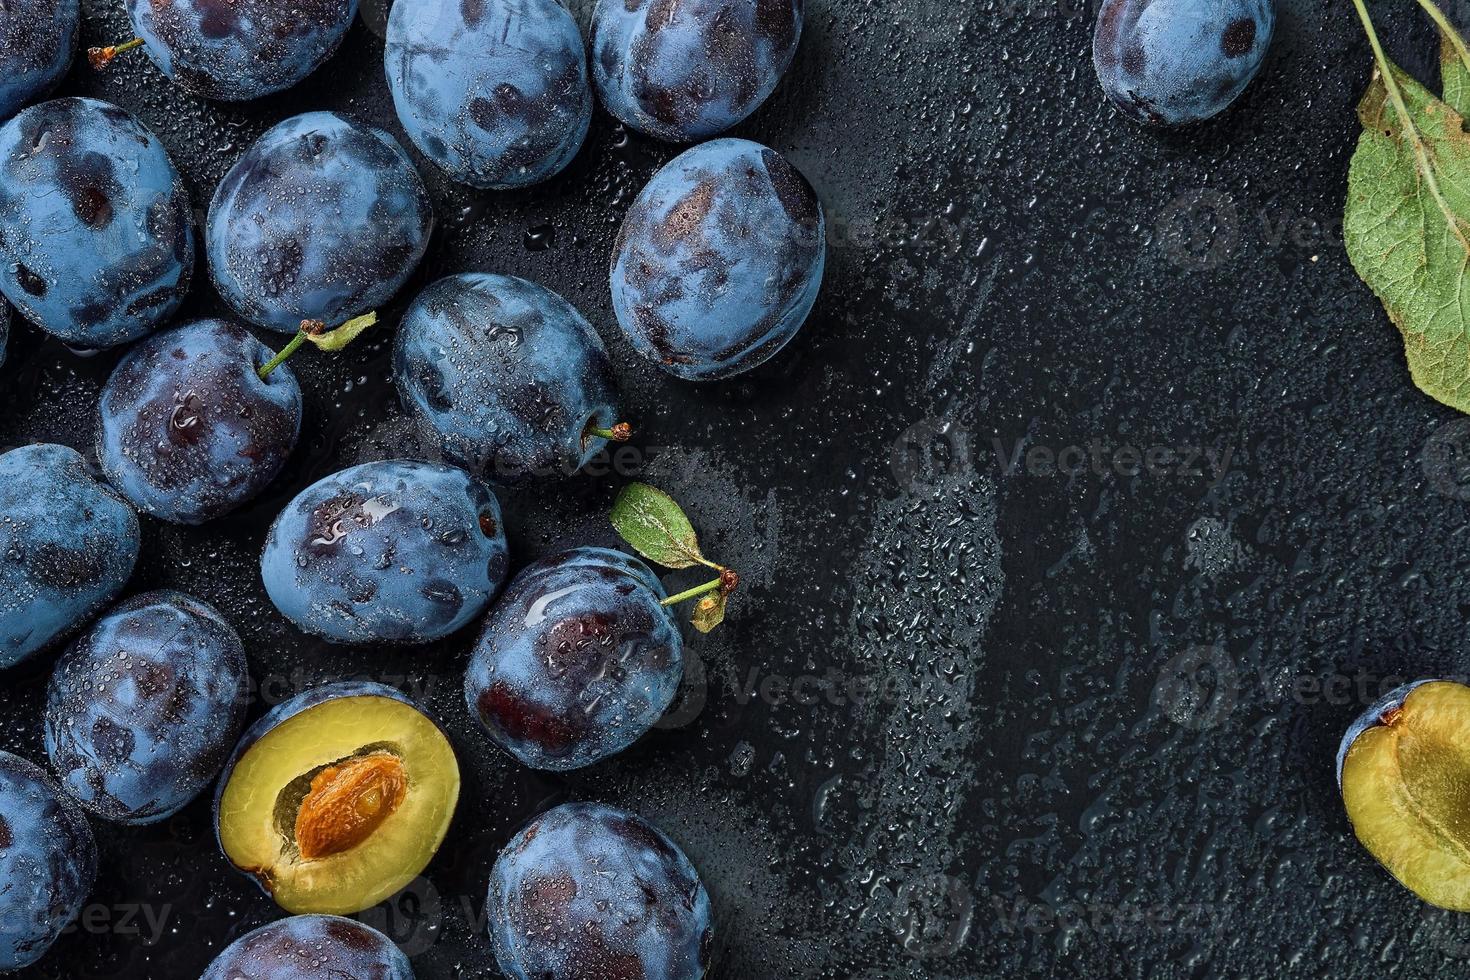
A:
[38,39]
[143,709]
[494,92]
[96,239]
[511,380]
[67,547]
[321,219]
[590,892]
[576,661]
[684,70]
[397,551]
[311,947]
[719,260]
[48,862]
[337,798]
[1172,62]
[188,429]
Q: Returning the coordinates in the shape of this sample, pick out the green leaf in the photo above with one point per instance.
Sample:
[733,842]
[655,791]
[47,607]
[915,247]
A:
[1454,75]
[650,521]
[709,612]
[1407,225]
[335,340]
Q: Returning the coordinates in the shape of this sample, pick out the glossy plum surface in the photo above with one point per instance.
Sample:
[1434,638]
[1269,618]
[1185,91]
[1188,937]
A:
[311,947]
[188,430]
[96,239]
[38,39]
[322,218]
[506,375]
[576,661]
[719,260]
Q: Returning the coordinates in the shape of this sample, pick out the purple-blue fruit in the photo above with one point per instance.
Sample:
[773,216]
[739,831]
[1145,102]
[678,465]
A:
[96,240]
[144,708]
[38,39]
[684,70]
[507,375]
[1173,62]
[389,552]
[188,429]
[311,947]
[719,260]
[576,661]
[493,91]
[589,892]
[68,544]
[321,219]
[48,862]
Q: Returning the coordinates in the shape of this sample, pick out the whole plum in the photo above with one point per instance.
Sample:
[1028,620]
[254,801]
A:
[67,547]
[493,91]
[311,947]
[321,219]
[188,429]
[38,39]
[684,70]
[590,892]
[96,240]
[48,862]
[397,551]
[576,661]
[508,376]
[719,260]
[1173,62]
[144,708]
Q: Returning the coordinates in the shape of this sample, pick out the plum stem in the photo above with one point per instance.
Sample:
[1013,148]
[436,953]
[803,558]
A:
[284,354]
[621,432]
[100,58]
[317,333]
[725,583]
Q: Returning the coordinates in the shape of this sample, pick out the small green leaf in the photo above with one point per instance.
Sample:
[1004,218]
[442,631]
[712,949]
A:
[709,612]
[335,340]
[650,521]
[1454,74]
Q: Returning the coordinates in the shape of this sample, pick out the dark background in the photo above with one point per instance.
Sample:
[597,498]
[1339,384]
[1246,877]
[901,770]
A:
[1097,707]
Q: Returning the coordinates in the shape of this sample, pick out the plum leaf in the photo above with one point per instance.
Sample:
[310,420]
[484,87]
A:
[650,521]
[709,612]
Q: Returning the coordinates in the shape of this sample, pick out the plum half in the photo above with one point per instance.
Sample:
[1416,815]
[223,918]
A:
[337,798]
[1404,771]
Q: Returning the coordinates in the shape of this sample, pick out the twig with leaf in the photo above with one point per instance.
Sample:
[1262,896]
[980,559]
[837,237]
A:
[650,521]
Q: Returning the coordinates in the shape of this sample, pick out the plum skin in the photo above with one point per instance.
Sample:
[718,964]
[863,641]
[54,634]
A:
[96,239]
[68,544]
[617,898]
[685,70]
[719,260]
[1372,716]
[308,947]
[242,49]
[322,218]
[494,92]
[576,661]
[396,551]
[38,39]
[48,861]
[188,431]
[1174,62]
[506,374]
[143,709]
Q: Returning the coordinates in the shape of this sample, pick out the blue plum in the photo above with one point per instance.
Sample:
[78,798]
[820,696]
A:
[144,708]
[590,892]
[38,39]
[719,260]
[576,661]
[684,70]
[321,219]
[311,947]
[1172,62]
[48,862]
[398,551]
[96,239]
[189,431]
[493,91]
[67,547]
[511,380]
[234,50]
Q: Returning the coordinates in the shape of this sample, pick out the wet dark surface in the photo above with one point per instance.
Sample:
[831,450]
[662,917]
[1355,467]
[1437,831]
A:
[1107,704]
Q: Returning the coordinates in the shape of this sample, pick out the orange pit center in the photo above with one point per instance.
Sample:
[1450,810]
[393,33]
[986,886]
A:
[347,802]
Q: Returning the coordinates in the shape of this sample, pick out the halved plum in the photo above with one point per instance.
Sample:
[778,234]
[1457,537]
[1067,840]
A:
[337,798]
[1404,771]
